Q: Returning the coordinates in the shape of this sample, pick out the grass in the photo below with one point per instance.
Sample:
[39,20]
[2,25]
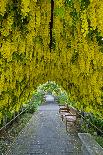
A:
[92,131]
[8,135]
[99,140]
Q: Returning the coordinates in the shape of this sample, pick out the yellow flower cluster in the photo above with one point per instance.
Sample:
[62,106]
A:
[80,72]
[76,58]
[25,7]
[59,3]
[100,16]
[3,6]
[24,56]
[84,29]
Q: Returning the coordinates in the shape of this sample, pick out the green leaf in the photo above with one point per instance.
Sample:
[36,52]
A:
[59,12]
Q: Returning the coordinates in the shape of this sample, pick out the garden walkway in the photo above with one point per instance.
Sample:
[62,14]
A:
[45,134]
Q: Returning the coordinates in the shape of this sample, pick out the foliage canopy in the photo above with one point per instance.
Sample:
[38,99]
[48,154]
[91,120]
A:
[76,59]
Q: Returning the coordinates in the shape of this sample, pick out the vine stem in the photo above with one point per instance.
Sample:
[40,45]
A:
[51,23]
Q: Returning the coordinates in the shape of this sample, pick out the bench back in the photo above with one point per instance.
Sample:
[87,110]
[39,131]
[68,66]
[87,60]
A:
[73,111]
[70,109]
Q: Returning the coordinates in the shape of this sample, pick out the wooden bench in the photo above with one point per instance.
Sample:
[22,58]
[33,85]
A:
[63,106]
[89,145]
[72,116]
[63,110]
[69,113]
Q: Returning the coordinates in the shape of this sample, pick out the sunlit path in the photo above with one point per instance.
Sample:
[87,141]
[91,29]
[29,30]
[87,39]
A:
[46,134]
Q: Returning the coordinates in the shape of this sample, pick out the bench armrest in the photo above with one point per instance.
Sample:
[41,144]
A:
[70,115]
[63,108]
[62,105]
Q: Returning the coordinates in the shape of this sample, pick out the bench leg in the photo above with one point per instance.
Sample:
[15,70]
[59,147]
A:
[62,117]
[67,121]
[66,124]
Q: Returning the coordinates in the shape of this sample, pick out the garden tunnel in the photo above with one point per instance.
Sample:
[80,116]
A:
[53,92]
[59,40]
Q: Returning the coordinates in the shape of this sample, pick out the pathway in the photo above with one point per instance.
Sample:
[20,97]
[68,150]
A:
[45,134]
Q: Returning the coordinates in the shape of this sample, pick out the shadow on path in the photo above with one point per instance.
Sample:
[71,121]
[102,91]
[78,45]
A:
[45,134]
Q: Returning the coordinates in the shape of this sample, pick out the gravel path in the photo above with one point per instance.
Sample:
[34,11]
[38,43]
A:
[45,134]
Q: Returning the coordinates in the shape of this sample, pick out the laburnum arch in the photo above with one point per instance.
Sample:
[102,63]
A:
[73,57]
[50,87]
